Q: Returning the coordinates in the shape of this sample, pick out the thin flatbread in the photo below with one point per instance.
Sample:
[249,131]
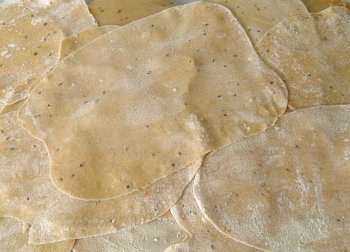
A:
[13,239]
[286,189]
[138,112]
[257,17]
[2,106]
[73,43]
[320,5]
[316,5]
[203,236]
[121,12]
[26,193]
[312,54]
[154,236]
[31,33]
[12,107]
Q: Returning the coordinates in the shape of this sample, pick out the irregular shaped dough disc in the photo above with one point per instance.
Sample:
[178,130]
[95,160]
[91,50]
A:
[30,37]
[154,236]
[73,43]
[26,193]
[139,111]
[121,12]
[312,54]
[257,17]
[13,239]
[286,189]
[203,235]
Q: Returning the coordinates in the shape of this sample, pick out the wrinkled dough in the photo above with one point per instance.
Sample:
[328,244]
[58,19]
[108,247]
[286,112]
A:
[286,189]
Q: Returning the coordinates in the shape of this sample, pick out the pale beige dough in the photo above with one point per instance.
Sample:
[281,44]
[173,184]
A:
[2,106]
[26,193]
[256,16]
[30,37]
[316,5]
[73,43]
[286,189]
[202,235]
[14,239]
[320,5]
[150,98]
[121,12]
[8,108]
[154,236]
[312,54]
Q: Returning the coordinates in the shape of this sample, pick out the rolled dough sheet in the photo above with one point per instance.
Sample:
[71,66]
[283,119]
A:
[8,108]
[312,54]
[203,236]
[316,5]
[26,193]
[256,16]
[135,112]
[30,37]
[154,236]
[121,12]
[286,189]
[320,5]
[73,43]
[14,239]
[2,106]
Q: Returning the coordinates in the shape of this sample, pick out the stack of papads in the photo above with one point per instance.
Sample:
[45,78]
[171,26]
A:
[31,33]
[142,112]
[152,107]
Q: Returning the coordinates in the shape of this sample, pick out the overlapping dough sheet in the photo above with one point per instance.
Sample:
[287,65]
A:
[286,189]
[147,99]
[31,34]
